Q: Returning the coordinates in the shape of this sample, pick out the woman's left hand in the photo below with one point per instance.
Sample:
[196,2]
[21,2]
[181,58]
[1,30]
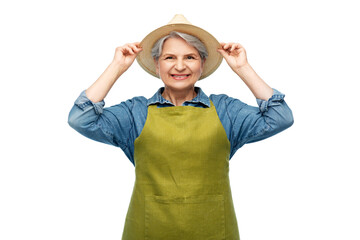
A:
[234,54]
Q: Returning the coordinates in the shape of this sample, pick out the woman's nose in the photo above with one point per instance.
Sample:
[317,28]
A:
[180,66]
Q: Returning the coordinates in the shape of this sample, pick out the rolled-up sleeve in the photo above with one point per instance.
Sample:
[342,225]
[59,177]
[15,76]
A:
[251,124]
[107,125]
[84,103]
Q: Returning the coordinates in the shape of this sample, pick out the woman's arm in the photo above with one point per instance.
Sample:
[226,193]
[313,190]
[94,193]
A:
[124,57]
[235,56]
[110,125]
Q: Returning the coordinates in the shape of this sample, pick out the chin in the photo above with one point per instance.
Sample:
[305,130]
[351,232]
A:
[179,86]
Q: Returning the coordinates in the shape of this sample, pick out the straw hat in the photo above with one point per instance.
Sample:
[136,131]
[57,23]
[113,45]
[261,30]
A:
[180,24]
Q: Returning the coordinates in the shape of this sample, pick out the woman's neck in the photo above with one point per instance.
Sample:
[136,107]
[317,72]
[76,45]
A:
[178,97]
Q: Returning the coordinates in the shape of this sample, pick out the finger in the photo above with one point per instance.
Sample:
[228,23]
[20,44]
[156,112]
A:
[222,52]
[241,48]
[129,50]
[221,47]
[139,50]
[134,48]
[234,46]
[230,45]
[135,44]
[138,44]
[226,46]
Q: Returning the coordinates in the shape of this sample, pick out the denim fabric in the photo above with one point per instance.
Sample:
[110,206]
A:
[121,124]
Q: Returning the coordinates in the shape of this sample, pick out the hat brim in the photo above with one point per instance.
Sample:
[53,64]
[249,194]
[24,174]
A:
[212,62]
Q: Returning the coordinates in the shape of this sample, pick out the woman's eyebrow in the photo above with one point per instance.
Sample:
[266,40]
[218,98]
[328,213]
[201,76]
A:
[186,54]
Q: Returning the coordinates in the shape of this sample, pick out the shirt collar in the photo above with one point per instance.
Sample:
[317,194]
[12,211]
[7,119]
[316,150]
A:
[201,97]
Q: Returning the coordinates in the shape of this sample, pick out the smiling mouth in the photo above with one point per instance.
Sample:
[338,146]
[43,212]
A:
[180,77]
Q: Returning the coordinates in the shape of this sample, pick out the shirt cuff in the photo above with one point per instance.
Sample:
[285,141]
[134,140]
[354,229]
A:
[275,100]
[84,103]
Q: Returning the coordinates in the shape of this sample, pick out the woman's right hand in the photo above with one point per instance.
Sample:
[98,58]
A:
[124,57]
[126,54]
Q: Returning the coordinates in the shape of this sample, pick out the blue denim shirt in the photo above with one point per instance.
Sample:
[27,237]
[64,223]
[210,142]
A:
[121,124]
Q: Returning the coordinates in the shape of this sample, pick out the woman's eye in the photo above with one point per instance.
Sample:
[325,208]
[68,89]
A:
[169,57]
[190,57]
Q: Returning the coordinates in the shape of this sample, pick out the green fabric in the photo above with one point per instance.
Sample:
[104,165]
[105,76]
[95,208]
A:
[182,189]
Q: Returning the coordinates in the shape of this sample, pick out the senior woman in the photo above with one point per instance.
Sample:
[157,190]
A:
[180,140]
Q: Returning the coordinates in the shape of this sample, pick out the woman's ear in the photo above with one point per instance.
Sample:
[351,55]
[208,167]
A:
[156,66]
[203,64]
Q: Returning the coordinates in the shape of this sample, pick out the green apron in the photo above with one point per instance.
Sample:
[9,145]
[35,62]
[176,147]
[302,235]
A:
[182,188]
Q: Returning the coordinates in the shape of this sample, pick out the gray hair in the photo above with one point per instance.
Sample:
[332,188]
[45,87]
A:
[193,41]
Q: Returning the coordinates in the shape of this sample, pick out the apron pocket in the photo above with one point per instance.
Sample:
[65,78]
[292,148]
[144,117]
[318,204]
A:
[198,217]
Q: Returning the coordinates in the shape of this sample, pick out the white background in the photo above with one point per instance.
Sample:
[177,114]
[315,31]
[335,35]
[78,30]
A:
[300,184]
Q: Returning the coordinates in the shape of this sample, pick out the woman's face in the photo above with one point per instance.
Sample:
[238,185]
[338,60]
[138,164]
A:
[179,65]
